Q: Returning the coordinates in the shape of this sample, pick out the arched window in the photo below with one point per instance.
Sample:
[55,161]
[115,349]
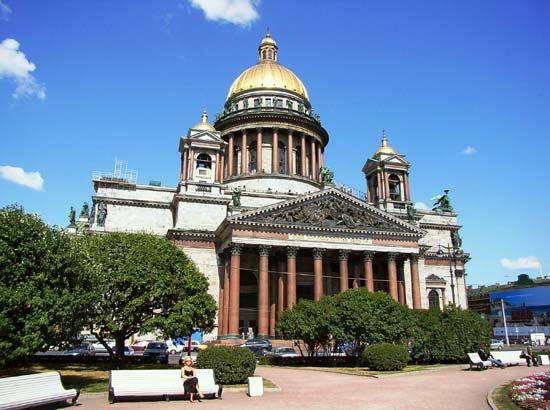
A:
[204,161]
[270,55]
[298,160]
[263,54]
[252,157]
[395,187]
[282,158]
[433,299]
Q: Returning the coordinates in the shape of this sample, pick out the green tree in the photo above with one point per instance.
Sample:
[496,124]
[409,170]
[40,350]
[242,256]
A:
[143,283]
[447,336]
[369,317]
[40,292]
[308,321]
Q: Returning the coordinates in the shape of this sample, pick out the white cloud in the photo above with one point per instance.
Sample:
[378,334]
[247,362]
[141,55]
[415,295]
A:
[526,262]
[18,175]
[420,205]
[14,65]
[5,11]
[240,12]
[469,150]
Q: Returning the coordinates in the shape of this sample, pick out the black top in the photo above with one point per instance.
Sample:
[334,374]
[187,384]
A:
[188,372]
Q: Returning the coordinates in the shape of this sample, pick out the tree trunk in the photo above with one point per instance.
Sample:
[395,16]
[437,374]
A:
[119,347]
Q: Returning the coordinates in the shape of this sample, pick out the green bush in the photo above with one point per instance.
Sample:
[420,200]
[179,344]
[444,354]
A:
[232,365]
[385,357]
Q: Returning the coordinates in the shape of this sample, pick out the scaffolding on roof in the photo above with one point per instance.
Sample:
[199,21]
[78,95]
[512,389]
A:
[120,174]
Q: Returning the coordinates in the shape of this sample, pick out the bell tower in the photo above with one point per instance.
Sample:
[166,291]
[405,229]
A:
[387,174]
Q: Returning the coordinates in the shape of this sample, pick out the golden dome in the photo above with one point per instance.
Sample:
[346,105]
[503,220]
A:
[204,125]
[385,148]
[268,73]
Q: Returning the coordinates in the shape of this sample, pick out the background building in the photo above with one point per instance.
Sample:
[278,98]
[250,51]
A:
[257,211]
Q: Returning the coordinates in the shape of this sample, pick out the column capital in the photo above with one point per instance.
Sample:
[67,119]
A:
[368,256]
[392,256]
[414,257]
[343,254]
[318,253]
[243,131]
[291,251]
[275,129]
[264,250]
[259,129]
[291,132]
[236,248]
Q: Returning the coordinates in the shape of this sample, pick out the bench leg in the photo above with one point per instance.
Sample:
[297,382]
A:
[111,396]
[75,398]
[220,391]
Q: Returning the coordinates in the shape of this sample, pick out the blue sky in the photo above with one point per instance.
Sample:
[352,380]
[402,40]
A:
[462,88]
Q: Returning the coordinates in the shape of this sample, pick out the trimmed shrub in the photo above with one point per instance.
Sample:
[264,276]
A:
[385,357]
[232,365]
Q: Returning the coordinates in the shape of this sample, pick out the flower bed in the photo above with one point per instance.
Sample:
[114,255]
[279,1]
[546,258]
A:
[532,393]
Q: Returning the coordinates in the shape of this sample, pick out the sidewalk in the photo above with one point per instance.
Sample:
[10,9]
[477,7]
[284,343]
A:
[447,388]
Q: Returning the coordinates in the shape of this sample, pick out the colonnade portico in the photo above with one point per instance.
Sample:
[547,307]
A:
[292,152]
[275,269]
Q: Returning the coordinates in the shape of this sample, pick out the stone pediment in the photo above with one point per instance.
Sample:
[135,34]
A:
[434,278]
[205,136]
[330,209]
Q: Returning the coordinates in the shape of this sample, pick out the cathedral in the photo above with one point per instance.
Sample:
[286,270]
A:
[257,211]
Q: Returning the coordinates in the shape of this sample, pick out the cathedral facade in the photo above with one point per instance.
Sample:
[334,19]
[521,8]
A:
[257,211]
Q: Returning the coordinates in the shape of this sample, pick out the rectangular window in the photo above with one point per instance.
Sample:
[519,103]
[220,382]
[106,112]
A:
[245,104]
[257,102]
[279,103]
[268,102]
[301,107]
[289,104]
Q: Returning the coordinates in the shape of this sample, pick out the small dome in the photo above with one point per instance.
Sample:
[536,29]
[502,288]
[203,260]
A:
[268,73]
[204,125]
[385,148]
[268,40]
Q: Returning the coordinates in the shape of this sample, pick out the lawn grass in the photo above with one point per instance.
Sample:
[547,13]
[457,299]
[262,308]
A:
[502,400]
[92,378]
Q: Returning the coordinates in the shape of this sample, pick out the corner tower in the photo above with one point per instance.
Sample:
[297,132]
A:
[274,139]
[387,174]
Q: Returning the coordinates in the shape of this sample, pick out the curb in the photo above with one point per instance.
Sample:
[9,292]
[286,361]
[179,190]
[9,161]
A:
[490,401]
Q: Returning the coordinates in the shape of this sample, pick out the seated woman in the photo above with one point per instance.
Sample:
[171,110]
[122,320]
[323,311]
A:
[190,381]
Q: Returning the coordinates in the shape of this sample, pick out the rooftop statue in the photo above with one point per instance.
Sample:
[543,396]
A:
[85,212]
[411,212]
[72,216]
[326,175]
[236,196]
[443,204]
[456,239]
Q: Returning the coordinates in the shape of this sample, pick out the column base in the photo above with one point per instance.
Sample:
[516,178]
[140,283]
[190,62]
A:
[262,337]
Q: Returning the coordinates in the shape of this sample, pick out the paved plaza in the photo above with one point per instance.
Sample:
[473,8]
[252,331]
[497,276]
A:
[447,388]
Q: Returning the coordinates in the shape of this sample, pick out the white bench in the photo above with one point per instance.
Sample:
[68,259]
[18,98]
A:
[166,383]
[475,361]
[21,392]
[509,357]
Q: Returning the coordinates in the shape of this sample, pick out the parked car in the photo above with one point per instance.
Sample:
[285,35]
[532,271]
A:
[497,344]
[139,346]
[157,349]
[99,348]
[128,351]
[282,352]
[81,349]
[174,348]
[258,345]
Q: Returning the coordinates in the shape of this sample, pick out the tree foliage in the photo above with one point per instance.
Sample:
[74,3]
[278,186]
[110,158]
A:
[309,322]
[40,292]
[447,336]
[369,317]
[143,283]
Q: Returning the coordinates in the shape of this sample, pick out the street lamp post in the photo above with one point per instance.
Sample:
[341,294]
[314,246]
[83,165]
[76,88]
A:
[452,253]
